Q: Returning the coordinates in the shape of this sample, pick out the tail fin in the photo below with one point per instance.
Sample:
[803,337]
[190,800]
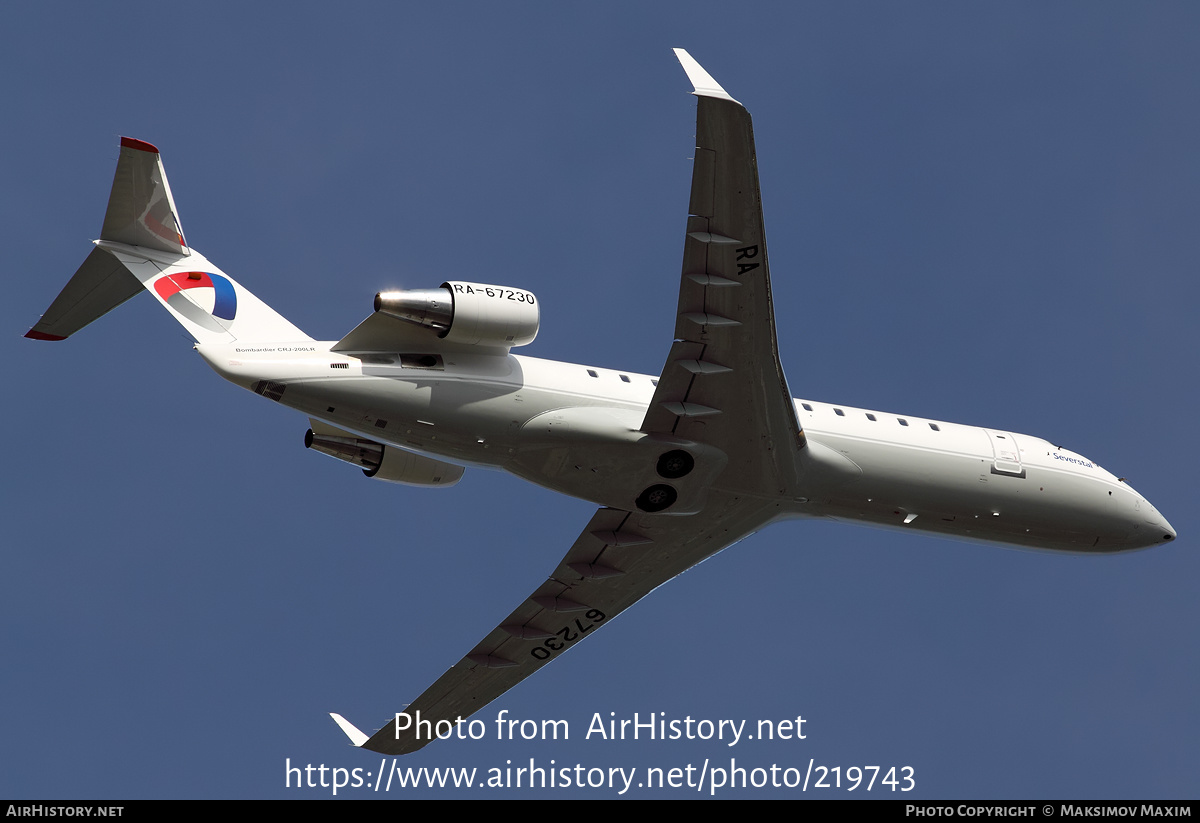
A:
[142,246]
[141,210]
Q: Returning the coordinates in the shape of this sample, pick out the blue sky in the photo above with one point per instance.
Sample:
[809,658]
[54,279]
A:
[976,213]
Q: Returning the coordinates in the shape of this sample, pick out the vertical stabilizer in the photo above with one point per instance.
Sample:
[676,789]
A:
[141,211]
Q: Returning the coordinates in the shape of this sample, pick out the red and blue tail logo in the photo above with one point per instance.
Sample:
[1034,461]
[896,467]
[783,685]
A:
[172,287]
[187,294]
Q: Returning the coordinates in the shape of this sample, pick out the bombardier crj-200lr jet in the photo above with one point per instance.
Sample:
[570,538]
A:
[681,465]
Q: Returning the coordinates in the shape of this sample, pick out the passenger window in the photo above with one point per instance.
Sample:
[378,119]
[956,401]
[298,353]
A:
[870,416]
[592,373]
[839,412]
[903,422]
[806,407]
[934,426]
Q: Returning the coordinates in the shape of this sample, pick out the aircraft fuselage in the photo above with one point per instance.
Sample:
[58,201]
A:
[575,429]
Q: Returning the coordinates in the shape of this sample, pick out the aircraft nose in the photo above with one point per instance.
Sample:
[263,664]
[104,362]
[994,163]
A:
[1169,532]
[1146,525]
[1161,531]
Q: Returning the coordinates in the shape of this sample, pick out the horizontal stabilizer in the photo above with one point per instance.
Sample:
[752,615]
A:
[100,285]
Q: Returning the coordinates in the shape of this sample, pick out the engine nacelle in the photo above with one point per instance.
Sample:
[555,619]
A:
[399,466]
[385,462]
[474,314]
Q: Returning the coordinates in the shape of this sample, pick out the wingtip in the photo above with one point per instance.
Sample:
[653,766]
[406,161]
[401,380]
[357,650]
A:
[357,738]
[34,334]
[703,83]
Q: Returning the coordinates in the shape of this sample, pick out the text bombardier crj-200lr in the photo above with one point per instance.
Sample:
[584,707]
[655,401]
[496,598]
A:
[681,465]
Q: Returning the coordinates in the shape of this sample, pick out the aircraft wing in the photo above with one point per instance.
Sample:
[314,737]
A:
[723,384]
[618,559]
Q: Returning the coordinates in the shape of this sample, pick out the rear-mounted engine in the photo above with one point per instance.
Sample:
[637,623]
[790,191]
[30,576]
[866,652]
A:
[385,462]
[469,313]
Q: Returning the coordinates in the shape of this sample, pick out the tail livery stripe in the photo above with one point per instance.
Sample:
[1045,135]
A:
[140,145]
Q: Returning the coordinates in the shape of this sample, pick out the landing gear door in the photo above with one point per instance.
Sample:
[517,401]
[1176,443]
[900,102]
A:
[1006,454]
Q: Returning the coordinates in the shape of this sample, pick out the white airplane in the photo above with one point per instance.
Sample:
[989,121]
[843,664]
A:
[681,465]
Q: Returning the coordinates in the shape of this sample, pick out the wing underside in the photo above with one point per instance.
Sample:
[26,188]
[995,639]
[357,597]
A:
[618,559]
[723,383]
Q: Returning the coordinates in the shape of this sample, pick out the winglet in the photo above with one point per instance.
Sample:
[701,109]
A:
[357,738]
[702,81]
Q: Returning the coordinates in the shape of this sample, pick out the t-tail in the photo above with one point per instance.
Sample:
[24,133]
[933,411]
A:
[142,246]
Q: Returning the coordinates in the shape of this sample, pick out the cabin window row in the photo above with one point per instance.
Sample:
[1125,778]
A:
[871,417]
[624,377]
